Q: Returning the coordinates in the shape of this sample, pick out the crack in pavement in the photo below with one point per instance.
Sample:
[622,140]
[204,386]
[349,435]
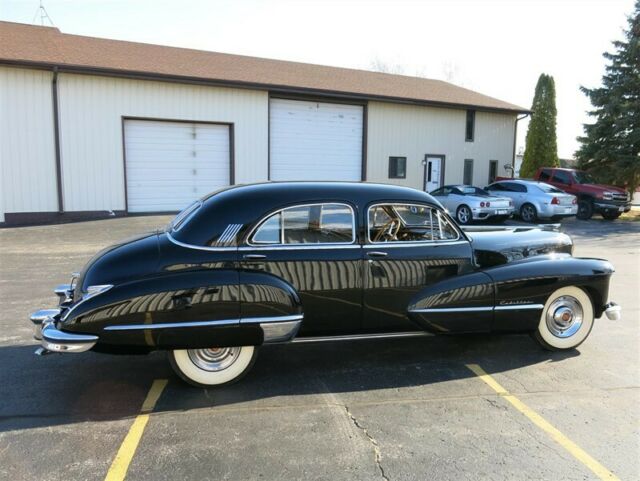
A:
[372,440]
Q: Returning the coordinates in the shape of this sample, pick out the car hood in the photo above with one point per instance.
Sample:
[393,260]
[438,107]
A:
[500,245]
[599,188]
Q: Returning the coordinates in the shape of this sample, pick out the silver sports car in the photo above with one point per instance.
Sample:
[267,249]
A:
[467,203]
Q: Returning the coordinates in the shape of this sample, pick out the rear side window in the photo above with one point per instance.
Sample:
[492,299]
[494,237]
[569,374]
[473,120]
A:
[561,177]
[408,223]
[545,174]
[329,223]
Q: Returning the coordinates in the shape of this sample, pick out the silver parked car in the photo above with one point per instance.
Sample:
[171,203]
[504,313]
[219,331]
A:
[536,200]
[467,203]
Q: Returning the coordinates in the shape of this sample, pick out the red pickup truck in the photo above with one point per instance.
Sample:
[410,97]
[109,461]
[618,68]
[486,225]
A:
[607,200]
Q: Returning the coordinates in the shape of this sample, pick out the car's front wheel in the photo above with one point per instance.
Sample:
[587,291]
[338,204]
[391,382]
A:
[585,209]
[213,366]
[566,321]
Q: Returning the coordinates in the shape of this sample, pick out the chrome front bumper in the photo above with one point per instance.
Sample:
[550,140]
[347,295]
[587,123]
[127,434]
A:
[613,311]
[53,339]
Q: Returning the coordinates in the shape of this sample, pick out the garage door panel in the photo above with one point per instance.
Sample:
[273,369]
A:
[170,164]
[315,140]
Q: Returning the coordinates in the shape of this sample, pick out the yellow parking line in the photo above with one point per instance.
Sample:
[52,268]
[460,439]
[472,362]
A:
[535,418]
[120,465]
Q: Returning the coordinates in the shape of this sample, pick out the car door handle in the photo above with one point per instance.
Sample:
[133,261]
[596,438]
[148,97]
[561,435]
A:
[377,254]
[254,256]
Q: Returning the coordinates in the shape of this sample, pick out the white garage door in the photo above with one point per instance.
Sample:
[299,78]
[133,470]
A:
[315,140]
[170,164]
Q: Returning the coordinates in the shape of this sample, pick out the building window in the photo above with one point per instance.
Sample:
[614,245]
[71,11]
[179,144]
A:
[470,125]
[467,178]
[493,171]
[397,167]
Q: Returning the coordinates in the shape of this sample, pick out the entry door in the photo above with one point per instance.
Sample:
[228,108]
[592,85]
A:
[433,174]
[313,248]
[400,262]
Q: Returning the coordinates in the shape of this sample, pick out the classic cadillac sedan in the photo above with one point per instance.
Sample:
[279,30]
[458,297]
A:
[319,261]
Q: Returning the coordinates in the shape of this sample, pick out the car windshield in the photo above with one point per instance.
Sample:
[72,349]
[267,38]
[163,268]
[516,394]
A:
[470,190]
[549,188]
[583,177]
[183,217]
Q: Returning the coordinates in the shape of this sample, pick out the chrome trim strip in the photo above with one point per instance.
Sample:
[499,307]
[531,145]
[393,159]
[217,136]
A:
[302,247]
[518,307]
[200,248]
[40,316]
[279,331]
[510,307]
[55,340]
[228,236]
[454,309]
[253,320]
[359,337]
[379,245]
[218,322]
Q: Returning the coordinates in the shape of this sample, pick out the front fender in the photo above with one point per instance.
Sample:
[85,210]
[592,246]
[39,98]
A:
[529,282]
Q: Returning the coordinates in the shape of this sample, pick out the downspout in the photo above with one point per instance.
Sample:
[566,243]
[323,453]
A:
[56,139]
[515,138]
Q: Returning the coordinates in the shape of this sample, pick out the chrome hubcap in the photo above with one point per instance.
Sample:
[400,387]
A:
[564,316]
[215,358]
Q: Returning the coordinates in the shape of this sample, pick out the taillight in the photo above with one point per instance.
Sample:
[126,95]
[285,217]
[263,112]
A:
[488,204]
[481,204]
[555,201]
[574,201]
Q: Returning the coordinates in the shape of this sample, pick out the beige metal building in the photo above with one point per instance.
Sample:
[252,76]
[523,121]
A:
[93,127]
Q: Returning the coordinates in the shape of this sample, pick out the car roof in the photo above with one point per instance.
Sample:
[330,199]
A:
[247,203]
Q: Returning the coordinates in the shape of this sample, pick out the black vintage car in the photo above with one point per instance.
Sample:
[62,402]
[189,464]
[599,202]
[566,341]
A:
[310,261]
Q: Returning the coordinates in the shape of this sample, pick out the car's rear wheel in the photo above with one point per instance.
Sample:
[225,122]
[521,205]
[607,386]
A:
[214,366]
[528,213]
[463,215]
[566,321]
[585,209]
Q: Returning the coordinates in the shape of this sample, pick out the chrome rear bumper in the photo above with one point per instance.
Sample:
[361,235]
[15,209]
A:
[53,339]
[613,311]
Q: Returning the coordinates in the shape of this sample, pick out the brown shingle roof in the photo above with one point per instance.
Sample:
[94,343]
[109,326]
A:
[46,46]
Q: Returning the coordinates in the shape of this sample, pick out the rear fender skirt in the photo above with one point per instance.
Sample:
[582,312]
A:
[458,304]
[529,282]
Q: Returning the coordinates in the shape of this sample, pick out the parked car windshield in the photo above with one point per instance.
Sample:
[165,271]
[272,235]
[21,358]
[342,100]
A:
[470,190]
[549,188]
[583,178]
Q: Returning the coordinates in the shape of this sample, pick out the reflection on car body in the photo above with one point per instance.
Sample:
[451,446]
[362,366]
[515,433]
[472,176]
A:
[316,261]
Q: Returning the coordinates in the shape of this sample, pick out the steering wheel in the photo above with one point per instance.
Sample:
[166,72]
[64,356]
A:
[388,232]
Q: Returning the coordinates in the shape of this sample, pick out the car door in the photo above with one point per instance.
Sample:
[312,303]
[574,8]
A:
[427,248]
[443,195]
[314,249]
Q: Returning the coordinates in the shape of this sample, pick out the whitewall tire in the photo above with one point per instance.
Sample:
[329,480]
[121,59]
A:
[566,320]
[214,366]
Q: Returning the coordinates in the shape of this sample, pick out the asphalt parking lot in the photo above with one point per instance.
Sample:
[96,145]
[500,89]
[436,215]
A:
[403,409]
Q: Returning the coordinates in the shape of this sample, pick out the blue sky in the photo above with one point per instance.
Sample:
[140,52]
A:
[497,47]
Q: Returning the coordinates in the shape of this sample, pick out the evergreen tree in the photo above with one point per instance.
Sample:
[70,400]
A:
[541,146]
[610,148]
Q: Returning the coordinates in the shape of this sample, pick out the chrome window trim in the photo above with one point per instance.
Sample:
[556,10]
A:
[378,245]
[301,247]
[406,243]
[309,204]
[218,322]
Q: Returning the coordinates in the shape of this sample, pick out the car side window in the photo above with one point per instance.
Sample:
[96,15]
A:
[561,177]
[499,187]
[329,223]
[408,223]
[545,175]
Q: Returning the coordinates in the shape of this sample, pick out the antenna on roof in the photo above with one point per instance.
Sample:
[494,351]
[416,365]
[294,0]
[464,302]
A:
[42,13]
